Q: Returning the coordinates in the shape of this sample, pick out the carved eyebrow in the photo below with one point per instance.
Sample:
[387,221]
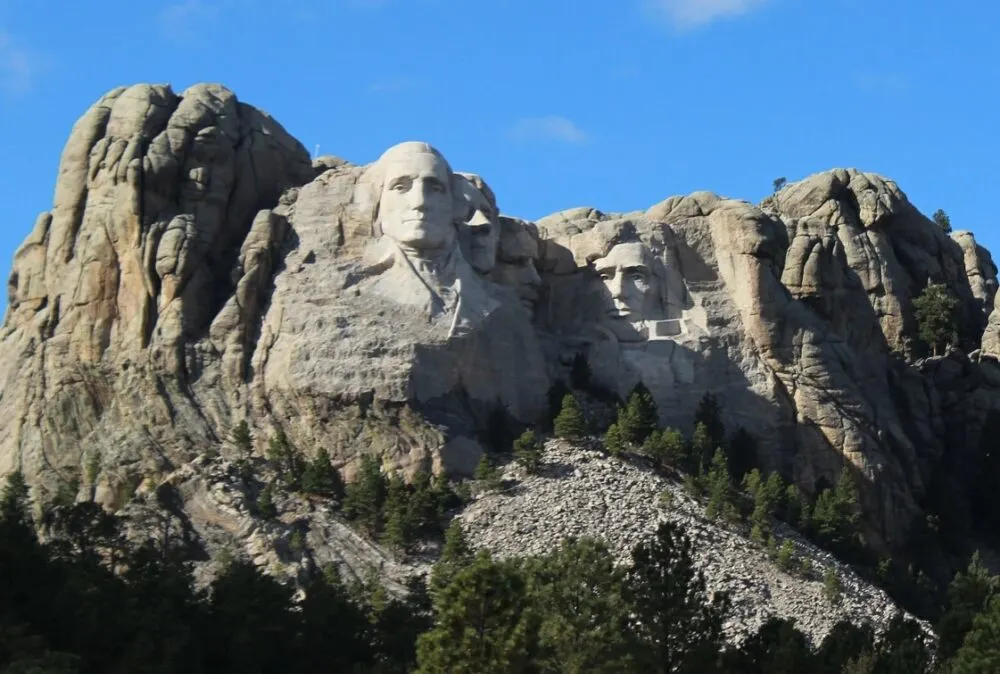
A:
[638,267]
[398,180]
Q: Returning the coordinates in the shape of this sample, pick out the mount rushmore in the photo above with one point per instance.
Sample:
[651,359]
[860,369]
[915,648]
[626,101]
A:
[198,268]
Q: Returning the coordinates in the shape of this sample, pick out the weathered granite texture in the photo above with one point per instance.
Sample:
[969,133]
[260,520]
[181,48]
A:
[197,269]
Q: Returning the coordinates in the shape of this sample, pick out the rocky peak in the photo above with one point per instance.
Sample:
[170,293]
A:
[197,269]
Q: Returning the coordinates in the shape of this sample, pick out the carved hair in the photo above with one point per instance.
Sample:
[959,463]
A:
[658,252]
[512,229]
[373,180]
[480,184]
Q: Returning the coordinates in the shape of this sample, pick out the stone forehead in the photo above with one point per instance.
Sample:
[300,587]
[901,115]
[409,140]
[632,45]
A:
[517,235]
[631,253]
[475,183]
[409,151]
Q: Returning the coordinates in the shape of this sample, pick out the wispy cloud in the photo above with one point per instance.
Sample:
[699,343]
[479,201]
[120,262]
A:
[549,128]
[182,21]
[397,85]
[690,14]
[883,83]
[18,65]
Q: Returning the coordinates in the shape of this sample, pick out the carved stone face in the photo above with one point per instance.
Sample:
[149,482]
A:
[479,232]
[516,265]
[627,275]
[415,205]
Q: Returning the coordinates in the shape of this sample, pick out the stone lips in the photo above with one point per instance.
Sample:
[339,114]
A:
[197,269]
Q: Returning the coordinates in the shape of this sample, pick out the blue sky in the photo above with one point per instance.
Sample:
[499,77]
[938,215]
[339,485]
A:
[557,103]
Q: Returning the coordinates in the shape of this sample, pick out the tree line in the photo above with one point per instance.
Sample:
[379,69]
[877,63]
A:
[92,602]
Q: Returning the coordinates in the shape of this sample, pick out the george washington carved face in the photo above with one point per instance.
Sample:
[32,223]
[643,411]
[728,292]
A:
[415,203]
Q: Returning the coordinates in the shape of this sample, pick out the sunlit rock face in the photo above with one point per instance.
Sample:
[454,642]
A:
[198,269]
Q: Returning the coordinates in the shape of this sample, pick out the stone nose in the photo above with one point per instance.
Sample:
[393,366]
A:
[616,286]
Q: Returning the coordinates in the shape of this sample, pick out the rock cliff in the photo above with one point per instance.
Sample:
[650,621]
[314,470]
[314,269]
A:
[197,269]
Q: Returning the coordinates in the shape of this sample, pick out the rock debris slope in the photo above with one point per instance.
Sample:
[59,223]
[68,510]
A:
[582,492]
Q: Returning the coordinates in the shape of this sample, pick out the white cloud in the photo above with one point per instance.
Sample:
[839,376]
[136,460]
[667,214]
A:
[550,128]
[181,22]
[18,66]
[690,14]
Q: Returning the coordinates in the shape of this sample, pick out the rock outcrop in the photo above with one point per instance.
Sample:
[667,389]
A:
[114,291]
[197,269]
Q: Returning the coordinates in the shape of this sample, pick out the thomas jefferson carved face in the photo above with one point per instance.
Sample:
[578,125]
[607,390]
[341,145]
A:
[415,205]
[516,263]
[628,277]
[479,230]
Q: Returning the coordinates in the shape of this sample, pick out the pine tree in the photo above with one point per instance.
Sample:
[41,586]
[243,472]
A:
[335,632]
[666,447]
[796,511]
[482,622]
[846,642]
[832,588]
[583,616]
[639,417]
[265,503]
[487,475]
[15,502]
[285,459]
[709,413]
[767,501]
[242,439]
[902,649]
[321,478]
[778,646]
[400,528]
[614,440]
[786,555]
[676,626]
[942,220]
[968,594]
[365,497]
[424,502]
[720,490]
[93,469]
[980,651]
[570,423]
[937,322]
[836,519]
[701,450]
[528,451]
